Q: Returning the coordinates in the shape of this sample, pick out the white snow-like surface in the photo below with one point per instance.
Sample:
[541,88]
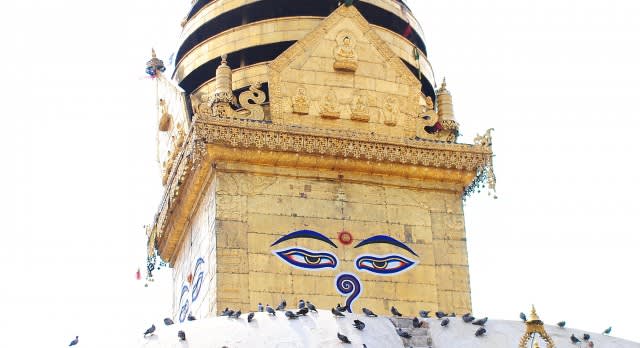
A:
[507,334]
[314,330]
[320,330]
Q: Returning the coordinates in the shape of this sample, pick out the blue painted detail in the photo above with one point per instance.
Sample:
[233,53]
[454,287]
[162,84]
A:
[348,284]
[197,285]
[307,259]
[385,240]
[184,304]
[384,265]
[305,234]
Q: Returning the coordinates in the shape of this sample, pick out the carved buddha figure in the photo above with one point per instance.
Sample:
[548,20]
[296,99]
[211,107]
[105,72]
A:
[359,109]
[301,102]
[391,111]
[345,54]
[329,105]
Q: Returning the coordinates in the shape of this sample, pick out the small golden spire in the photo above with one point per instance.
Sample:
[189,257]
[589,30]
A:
[444,83]
[153,53]
[224,59]
[533,316]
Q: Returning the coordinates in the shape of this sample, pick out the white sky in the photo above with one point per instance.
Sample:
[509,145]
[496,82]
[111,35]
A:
[558,80]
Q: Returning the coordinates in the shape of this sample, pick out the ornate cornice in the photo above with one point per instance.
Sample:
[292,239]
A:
[234,140]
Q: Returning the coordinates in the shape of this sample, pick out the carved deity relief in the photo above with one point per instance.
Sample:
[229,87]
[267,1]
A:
[360,107]
[300,102]
[345,53]
[391,111]
[329,107]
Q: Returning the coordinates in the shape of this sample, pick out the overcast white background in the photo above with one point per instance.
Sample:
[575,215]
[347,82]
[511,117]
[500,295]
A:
[558,80]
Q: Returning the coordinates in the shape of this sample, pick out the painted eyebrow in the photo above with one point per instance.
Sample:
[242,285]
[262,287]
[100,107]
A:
[305,234]
[385,240]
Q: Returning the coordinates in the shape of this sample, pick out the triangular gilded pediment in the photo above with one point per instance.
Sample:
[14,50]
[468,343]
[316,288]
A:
[343,76]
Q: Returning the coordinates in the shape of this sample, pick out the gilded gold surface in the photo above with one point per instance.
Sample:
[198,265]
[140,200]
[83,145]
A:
[282,29]
[393,92]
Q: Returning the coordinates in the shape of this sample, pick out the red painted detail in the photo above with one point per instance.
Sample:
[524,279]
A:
[345,237]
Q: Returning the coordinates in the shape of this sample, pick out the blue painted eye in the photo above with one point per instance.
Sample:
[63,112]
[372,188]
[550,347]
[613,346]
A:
[307,259]
[384,265]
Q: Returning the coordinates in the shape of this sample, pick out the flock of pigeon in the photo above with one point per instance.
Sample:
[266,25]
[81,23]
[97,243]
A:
[305,307]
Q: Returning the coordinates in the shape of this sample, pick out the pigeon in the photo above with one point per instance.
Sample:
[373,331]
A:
[300,304]
[440,314]
[395,312]
[574,339]
[150,330]
[230,313]
[282,306]
[182,336]
[480,322]
[340,308]
[291,315]
[191,317]
[586,337]
[336,312]
[358,324]
[368,312]
[311,307]
[270,310]
[467,318]
[225,312]
[562,324]
[416,323]
[250,317]
[452,315]
[343,338]
[424,314]
[403,334]
[168,321]
[481,331]
[260,307]
[607,331]
[523,316]
[445,322]
[236,315]
[303,311]
[74,342]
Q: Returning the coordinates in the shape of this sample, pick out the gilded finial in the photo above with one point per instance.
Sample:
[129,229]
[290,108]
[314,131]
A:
[444,83]
[155,65]
[533,316]
[224,59]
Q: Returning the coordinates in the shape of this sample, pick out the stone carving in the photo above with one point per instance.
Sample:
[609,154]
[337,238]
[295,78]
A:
[257,97]
[164,125]
[429,114]
[300,102]
[329,105]
[204,107]
[345,53]
[483,140]
[360,108]
[391,111]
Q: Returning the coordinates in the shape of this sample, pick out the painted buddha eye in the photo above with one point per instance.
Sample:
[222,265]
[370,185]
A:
[307,259]
[384,265]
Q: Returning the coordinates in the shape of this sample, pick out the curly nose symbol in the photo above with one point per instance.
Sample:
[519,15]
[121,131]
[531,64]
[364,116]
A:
[348,284]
